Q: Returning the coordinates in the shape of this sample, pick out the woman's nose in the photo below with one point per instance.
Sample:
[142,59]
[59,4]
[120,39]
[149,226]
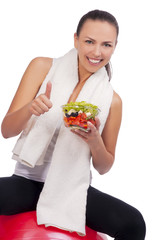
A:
[97,51]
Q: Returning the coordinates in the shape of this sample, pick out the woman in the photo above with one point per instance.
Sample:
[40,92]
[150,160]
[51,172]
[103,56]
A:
[95,42]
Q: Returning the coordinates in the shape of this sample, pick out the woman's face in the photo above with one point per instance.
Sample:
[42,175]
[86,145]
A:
[95,45]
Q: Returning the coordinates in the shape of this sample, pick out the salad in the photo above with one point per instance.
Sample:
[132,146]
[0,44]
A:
[77,114]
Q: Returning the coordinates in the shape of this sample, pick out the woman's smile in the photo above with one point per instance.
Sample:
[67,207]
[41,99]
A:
[94,61]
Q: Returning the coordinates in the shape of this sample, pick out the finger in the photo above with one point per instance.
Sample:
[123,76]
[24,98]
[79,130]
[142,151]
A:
[43,107]
[42,102]
[48,90]
[91,126]
[79,133]
[35,113]
[38,109]
[45,100]
[97,122]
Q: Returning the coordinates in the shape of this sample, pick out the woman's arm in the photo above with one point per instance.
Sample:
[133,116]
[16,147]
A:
[104,152]
[24,103]
[103,146]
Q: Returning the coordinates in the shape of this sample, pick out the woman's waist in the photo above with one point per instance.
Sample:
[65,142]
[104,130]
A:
[38,173]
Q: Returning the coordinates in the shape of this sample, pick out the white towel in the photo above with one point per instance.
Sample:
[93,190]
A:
[62,202]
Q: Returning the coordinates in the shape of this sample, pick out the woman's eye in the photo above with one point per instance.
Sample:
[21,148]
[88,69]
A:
[107,45]
[89,41]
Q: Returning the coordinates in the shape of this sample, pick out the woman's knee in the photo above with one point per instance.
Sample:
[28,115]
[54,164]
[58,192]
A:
[134,228]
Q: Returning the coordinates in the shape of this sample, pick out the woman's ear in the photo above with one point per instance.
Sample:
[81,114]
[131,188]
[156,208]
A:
[75,40]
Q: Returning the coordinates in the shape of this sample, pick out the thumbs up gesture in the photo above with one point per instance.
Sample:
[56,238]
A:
[42,103]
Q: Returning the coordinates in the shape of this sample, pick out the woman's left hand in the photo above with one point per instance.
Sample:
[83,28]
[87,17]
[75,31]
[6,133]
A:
[92,135]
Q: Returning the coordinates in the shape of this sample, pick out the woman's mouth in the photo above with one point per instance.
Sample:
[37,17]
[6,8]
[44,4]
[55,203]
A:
[94,61]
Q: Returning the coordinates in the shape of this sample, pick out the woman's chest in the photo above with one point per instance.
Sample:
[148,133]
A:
[76,92]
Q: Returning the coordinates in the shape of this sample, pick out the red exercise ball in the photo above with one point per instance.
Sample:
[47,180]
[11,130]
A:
[23,226]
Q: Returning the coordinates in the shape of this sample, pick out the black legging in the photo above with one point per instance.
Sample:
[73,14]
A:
[104,213]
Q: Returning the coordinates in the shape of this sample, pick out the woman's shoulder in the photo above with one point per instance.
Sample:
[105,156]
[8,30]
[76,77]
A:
[42,62]
[116,100]
[37,70]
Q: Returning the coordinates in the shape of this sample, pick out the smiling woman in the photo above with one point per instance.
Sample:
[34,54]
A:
[107,19]
[95,44]
[48,168]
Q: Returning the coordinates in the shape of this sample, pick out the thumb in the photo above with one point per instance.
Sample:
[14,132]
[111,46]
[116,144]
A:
[48,90]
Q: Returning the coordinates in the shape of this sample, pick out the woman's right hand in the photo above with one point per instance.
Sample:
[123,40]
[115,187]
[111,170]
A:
[42,103]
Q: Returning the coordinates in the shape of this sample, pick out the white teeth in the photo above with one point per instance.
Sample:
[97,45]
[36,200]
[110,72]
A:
[94,61]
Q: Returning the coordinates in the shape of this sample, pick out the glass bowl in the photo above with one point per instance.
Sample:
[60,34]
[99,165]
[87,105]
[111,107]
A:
[77,114]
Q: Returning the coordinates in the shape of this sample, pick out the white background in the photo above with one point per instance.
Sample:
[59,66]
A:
[31,28]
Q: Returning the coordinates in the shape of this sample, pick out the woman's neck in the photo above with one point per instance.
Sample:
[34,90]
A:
[83,75]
